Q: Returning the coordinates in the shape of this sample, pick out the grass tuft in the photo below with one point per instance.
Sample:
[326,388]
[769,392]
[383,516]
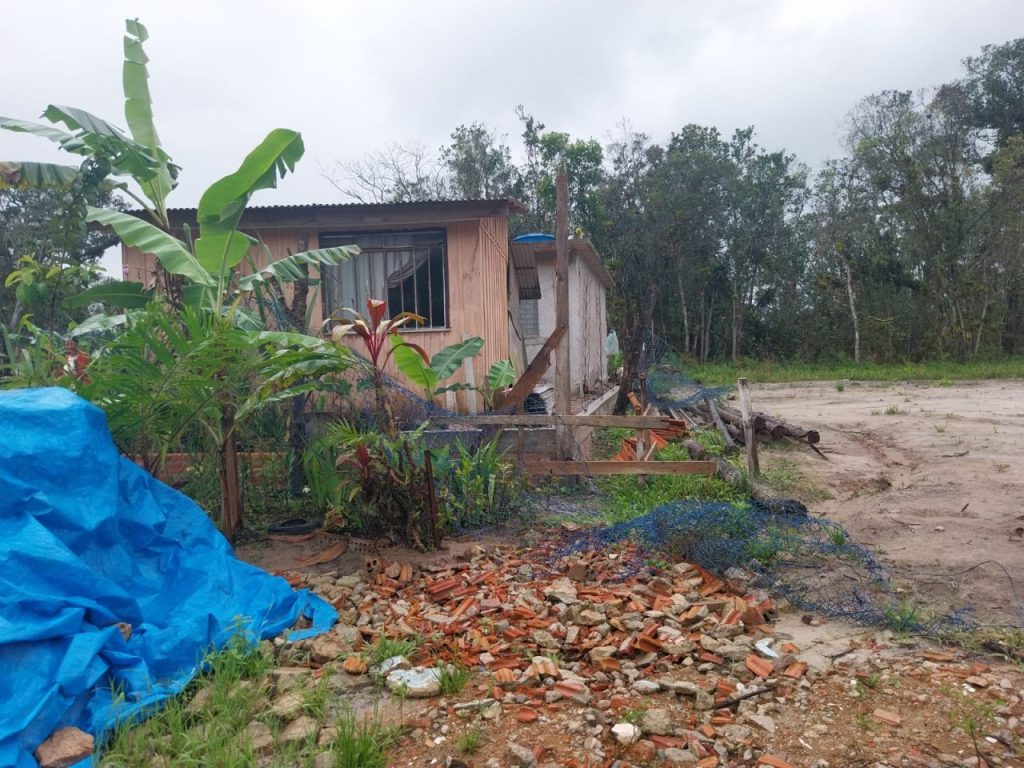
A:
[386,647]
[453,678]
[470,741]
[361,743]
[905,617]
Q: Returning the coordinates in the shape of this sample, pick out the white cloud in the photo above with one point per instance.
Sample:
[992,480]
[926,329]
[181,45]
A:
[354,76]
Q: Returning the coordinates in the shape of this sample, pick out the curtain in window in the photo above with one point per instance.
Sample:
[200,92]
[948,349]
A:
[408,270]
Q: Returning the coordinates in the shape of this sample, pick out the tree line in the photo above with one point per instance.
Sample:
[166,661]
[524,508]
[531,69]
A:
[907,247]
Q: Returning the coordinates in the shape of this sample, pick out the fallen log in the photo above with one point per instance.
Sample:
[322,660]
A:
[736,418]
[716,419]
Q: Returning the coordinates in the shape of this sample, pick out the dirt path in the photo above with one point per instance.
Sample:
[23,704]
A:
[931,477]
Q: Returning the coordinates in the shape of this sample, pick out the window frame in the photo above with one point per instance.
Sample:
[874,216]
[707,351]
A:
[328,274]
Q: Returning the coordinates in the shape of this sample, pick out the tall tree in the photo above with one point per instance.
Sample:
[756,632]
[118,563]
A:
[479,165]
[548,152]
[995,87]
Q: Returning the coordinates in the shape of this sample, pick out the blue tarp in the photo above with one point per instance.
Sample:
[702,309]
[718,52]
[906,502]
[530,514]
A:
[87,540]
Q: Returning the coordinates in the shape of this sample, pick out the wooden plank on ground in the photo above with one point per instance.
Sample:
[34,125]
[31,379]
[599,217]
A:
[621,467]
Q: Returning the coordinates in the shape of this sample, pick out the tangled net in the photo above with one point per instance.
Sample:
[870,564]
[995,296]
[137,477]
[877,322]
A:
[811,562]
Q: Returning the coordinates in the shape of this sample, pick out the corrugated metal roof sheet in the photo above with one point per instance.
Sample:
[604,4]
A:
[579,247]
[525,264]
[514,205]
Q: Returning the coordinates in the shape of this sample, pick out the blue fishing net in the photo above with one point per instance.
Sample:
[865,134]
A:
[811,562]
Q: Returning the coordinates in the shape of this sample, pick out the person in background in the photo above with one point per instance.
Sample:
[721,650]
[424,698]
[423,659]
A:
[75,361]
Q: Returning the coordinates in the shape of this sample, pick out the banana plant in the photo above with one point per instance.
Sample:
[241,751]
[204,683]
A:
[138,157]
[195,365]
[429,372]
[500,376]
[138,165]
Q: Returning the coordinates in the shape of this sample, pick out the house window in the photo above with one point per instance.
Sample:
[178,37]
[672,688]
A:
[529,317]
[409,270]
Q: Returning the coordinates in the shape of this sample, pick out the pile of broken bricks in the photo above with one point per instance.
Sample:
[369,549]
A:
[593,630]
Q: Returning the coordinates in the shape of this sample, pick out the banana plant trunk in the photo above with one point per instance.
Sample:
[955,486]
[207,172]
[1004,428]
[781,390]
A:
[230,488]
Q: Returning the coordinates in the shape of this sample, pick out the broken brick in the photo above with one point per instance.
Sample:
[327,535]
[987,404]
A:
[887,717]
[758,666]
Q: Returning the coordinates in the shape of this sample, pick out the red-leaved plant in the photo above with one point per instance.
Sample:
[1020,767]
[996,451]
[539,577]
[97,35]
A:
[376,330]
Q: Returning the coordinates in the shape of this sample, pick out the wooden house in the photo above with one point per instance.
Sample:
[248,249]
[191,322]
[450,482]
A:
[448,261]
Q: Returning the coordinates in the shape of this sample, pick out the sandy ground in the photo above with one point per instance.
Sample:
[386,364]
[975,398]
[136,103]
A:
[937,489]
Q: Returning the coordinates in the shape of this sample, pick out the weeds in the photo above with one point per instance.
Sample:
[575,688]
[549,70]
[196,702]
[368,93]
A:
[361,744]
[837,537]
[314,700]
[972,716]
[470,741]
[893,409]
[784,477]
[453,678]
[906,617]
[840,385]
[634,715]
[624,498]
[867,683]
[206,725]
[386,648]
[864,721]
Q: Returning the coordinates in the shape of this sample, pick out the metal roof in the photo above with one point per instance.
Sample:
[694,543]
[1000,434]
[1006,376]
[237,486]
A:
[514,205]
[579,247]
[525,264]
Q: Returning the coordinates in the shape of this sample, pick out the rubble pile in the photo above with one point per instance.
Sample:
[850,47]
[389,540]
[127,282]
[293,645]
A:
[622,663]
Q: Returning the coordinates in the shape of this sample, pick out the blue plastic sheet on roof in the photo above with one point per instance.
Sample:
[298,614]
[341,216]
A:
[87,540]
[534,237]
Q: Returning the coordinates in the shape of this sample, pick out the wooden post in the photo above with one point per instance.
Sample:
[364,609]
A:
[749,438]
[563,407]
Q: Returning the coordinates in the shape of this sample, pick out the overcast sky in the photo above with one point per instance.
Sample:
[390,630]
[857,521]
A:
[354,76]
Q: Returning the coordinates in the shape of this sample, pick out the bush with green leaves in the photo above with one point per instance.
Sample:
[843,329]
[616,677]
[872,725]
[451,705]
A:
[193,356]
[368,482]
[478,486]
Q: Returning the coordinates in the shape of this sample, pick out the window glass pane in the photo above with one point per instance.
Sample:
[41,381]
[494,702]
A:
[529,317]
[406,269]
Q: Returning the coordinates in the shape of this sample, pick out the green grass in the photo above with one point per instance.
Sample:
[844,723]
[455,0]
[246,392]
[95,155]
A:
[362,744]
[453,678]
[905,617]
[470,741]
[784,476]
[625,497]
[837,537]
[942,372]
[868,683]
[207,724]
[385,648]
[893,409]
